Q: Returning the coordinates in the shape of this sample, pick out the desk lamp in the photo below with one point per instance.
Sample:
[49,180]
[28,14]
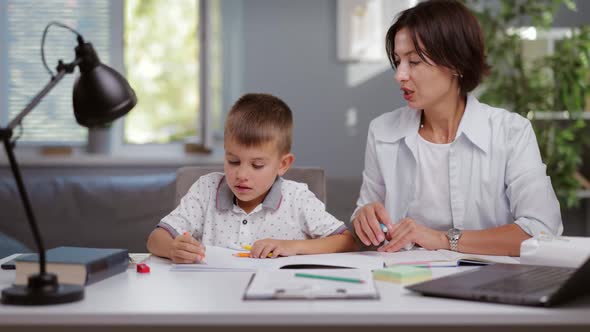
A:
[101,95]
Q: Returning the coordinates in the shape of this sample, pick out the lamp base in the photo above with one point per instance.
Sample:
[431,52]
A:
[42,289]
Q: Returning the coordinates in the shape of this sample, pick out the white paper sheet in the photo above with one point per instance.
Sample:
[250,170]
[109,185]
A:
[222,259]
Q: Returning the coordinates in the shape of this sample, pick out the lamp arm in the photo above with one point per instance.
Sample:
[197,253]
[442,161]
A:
[6,137]
[62,70]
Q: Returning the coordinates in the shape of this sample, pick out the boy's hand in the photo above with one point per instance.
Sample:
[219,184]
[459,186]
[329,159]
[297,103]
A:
[262,248]
[185,249]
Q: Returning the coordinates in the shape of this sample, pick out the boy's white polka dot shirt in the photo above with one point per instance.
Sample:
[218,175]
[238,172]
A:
[290,211]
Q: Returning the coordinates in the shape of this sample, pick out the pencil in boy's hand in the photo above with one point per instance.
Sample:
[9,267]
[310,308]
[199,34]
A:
[319,276]
[201,256]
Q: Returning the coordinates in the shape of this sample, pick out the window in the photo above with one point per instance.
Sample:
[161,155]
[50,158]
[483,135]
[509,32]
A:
[163,54]
[23,73]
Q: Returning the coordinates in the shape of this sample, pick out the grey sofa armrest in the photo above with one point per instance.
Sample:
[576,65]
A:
[90,211]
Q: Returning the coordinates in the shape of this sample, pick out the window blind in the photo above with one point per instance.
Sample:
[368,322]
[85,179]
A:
[52,121]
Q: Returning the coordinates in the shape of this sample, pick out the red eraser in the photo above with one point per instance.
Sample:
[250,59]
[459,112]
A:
[143,268]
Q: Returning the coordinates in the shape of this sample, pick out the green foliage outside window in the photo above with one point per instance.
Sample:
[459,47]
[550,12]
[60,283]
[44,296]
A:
[161,58]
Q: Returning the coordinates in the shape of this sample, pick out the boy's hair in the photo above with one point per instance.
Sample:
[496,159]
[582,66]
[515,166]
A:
[258,118]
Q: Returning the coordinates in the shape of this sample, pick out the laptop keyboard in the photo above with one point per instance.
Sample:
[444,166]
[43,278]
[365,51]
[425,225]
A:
[534,279]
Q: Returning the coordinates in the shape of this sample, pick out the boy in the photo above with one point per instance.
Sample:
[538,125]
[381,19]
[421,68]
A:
[250,203]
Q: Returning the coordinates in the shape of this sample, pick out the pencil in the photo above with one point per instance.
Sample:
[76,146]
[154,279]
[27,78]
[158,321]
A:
[318,276]
[247,254]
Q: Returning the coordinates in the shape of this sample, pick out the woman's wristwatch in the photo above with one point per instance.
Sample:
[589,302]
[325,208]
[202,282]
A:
[454,234]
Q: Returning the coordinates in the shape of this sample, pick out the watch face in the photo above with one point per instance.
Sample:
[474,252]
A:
[453,233]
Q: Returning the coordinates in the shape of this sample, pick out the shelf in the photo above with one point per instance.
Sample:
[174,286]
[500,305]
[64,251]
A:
[558,115]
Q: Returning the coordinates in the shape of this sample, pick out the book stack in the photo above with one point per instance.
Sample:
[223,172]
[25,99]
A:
[75,265]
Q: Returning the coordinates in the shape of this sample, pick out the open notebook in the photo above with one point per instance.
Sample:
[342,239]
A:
[441,257]
[222,259]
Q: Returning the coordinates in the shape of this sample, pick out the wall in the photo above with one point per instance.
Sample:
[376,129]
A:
[288,48]
[567,18]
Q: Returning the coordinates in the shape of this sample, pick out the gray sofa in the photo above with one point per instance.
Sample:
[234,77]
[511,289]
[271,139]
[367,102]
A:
[104,211]
[93,211]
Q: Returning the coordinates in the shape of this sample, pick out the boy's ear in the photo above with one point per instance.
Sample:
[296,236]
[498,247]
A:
[285,163]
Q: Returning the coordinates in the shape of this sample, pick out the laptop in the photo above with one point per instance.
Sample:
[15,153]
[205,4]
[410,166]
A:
[512,284]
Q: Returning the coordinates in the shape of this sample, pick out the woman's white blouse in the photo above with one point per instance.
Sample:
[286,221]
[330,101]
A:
[496,175]
[432,202]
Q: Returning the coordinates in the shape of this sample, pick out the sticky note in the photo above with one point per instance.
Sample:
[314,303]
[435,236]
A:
[402,274]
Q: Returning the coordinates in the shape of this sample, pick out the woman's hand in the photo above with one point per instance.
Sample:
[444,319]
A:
[408,231]
[186,249]
[366,223]
[273,248]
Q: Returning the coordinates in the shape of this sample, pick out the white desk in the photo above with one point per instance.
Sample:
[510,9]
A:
[212,301]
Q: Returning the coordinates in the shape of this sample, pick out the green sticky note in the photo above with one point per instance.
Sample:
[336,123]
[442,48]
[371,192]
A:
[402,274]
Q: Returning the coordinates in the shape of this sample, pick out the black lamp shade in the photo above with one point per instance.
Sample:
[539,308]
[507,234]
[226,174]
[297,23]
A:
[101,95]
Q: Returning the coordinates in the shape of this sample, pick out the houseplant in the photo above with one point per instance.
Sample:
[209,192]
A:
[555,82]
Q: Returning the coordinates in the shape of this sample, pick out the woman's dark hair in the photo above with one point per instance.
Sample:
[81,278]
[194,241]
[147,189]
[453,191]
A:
[448,34]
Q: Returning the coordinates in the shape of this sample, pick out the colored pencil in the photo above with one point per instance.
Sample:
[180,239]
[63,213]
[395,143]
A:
[319,276]
[247,254]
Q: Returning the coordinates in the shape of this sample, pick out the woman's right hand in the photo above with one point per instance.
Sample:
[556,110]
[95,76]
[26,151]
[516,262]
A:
[367,223]
[186,249]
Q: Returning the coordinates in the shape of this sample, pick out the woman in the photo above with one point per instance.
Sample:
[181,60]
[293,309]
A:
[449,172]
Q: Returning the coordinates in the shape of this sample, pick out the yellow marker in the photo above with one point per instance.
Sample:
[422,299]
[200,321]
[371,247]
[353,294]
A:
[247,247]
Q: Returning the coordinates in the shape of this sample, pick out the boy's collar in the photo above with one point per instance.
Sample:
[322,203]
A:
[224,199]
